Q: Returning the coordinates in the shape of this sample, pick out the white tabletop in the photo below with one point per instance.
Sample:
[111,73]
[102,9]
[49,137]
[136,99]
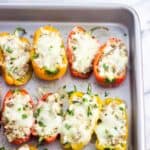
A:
[143,9]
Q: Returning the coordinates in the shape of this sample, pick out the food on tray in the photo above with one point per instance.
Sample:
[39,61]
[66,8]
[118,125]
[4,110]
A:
[48,117]
[49,59]
[15,59]
[110,64]
[17,116]
[80,120]
[81,50]
[112,129]
[27,147]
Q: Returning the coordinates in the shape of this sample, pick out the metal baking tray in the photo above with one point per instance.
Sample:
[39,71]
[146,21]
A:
[122,22]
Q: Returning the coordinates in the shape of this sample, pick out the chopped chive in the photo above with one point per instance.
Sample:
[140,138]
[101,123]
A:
[24,116]
[89,112]
[75,88]
[74,48]
[105,67]
[107,80]
[35,56]
[9,50]
[85,100]
[37,112]
[19,109]
[51,71]
[89,89]
[121,108]
[19,31]
[106,94]
[41,124]
[70,112]
[67,126]
[115,128]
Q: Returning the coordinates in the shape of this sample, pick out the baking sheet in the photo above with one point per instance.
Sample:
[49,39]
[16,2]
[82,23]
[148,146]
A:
[34,85]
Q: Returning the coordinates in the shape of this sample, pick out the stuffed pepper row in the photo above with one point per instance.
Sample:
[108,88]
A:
[47,54]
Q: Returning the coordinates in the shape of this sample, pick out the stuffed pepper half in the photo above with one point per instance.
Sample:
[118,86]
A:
[15,59]
[48,117]
[80,120]
[110,64]
[81,50]
[49,59]
[112,129]
[17,116]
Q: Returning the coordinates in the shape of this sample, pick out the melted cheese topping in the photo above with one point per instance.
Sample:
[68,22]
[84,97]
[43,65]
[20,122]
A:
[48,116]
[114,60]
[16,56]
[84,49]
[49,50]
[18,116]
[24,147]
[80,120]
[112,129]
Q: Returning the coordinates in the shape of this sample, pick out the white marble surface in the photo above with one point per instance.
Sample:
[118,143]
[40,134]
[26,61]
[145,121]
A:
[143,9]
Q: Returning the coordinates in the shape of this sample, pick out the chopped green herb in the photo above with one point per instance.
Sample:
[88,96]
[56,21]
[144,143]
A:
[35,55]
[89,89]
[121,108]
[37,112]
[2,148]
[41,124]
[9,50]
[40,140]
[74,48]
[24,116]
[67,126]
[106,94]
[107,80]
[19,31]
[62,96]
[85,100]
[13,58]
[70,112]
[64,86]
[19,109]
[115,128]
[15,90]
[75,88]
[51,71]
[45,149]
[105,67]
[89,112]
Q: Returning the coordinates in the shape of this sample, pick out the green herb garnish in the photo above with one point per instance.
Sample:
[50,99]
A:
[35,55]
[89,112]
[106,94]
[70,112]
[24,116]
[89,89]
[107,80]
[41,124]
[105,67]
[9,50]
[37,112]
[51,71]
[19,31]
[67,126]
[2,148]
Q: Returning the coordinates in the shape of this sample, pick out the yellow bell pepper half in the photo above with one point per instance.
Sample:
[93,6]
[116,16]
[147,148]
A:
[122,146]
[7,77]
[79,146]
[39,71]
